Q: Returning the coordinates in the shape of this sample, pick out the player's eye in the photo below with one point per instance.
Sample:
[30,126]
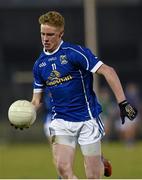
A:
[43,34]
[50,34]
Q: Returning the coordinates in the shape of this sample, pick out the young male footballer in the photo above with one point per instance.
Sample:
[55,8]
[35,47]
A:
[66,71]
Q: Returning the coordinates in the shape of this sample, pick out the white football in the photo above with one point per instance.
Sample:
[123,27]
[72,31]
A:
[22,114]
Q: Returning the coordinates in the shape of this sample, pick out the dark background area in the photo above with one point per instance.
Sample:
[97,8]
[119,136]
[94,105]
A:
[119,29]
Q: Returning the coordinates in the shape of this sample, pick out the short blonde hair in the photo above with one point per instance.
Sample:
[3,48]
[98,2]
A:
[52,18]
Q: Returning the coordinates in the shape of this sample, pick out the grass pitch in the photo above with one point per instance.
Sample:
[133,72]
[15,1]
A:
[34,161]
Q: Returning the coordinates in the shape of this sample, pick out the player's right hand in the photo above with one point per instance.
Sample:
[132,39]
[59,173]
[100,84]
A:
[16,127]
[127,110]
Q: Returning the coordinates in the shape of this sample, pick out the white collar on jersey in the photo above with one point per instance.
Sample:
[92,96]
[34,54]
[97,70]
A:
[48,53]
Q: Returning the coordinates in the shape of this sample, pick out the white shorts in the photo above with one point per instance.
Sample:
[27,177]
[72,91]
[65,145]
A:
[84,133]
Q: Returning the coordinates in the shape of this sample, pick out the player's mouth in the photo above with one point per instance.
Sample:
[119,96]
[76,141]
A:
[47,46]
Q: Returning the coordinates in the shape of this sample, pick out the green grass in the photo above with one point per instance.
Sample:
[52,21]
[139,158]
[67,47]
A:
[35,161]
[126,161]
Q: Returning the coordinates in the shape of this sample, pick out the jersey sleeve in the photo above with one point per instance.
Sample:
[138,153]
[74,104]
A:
[87,60]
[38,84]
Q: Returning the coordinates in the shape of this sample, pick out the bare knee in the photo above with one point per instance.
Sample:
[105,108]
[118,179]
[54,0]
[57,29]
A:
[95,171]
[94,167]
[63,158]
[64,169]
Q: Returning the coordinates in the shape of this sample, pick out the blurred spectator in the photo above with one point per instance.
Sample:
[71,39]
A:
[108,110]
[129,131]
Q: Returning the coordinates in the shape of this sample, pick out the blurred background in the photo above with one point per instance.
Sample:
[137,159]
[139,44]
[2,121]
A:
[112,29]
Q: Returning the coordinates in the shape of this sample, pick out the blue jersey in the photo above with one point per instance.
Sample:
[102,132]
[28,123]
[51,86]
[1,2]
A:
[68,74]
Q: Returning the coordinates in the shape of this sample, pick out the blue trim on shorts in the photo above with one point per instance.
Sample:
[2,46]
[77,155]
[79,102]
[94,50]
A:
[101,126]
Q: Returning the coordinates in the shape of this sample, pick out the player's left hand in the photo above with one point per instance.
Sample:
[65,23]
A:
[127,110]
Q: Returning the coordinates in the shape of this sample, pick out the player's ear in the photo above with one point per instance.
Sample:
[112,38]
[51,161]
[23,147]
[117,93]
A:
[61,34]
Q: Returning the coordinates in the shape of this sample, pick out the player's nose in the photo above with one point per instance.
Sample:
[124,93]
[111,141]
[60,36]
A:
[45,39]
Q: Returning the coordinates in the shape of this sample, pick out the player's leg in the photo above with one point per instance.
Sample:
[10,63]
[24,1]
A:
[90,143]
[63,159]
[64,145]
[93,164]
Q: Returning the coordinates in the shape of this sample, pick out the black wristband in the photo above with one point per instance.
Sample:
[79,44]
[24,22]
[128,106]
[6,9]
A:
[123,103]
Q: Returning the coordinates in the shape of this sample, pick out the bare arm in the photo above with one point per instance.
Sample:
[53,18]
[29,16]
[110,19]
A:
[37,100]
[113,81]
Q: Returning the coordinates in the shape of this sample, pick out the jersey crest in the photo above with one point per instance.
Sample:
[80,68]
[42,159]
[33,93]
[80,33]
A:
[63,59]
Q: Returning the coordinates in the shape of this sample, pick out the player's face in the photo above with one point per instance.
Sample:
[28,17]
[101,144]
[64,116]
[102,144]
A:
[50,37]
